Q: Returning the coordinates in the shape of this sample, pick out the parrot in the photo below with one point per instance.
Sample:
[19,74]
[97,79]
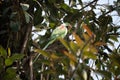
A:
[59,32]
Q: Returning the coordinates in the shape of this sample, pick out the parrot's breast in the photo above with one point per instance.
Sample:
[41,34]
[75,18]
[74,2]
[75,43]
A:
[62,27]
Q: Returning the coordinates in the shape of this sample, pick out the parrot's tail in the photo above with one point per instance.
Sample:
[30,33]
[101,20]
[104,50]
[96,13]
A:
[50,42]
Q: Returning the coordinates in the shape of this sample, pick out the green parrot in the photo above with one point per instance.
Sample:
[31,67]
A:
[59,32]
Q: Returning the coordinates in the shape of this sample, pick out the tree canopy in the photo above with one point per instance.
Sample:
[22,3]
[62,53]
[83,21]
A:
[90,50]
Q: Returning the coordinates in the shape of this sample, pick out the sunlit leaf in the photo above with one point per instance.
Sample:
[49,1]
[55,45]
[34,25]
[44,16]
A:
[86,36]
[9,52]
[71,56]
[64,43]
[90,55]
[78,40]
[90,33]
[90,51]
[85,75]
[53,56]
[99,43]
[91,48]
[44,53]
[72,64]
[74,46]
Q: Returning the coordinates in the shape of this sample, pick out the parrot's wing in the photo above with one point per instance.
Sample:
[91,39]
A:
[59,32]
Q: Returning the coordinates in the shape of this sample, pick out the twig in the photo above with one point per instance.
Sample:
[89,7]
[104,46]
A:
[26,38]
[88,4]
[31,68]
[118,47]
[42,69]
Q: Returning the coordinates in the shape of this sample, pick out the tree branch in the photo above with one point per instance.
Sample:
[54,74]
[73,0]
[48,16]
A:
[88,4]
[27,35]
[31,68]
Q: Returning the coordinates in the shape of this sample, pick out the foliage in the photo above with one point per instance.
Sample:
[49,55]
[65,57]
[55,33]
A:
[8,64]
[84,54]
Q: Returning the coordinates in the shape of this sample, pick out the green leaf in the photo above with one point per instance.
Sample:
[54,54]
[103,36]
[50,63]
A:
[114,38]
[54,56]
[9,52]
[67,8]
[71,56]
[13,15]
[27,16]
[11,70]
[3,52]
[10,74]
[38,16]
[52,1]
[115,58]
[111,43]
[47,62]
[90,55]
[1,64]
[80,1]
[78,40]
[52,25]
[14,26]
[74,46]
[24,6]
[42,52]
[8,61]
[65,43]
[17,56]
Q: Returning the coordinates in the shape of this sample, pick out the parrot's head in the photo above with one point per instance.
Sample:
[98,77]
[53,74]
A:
[67,25]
